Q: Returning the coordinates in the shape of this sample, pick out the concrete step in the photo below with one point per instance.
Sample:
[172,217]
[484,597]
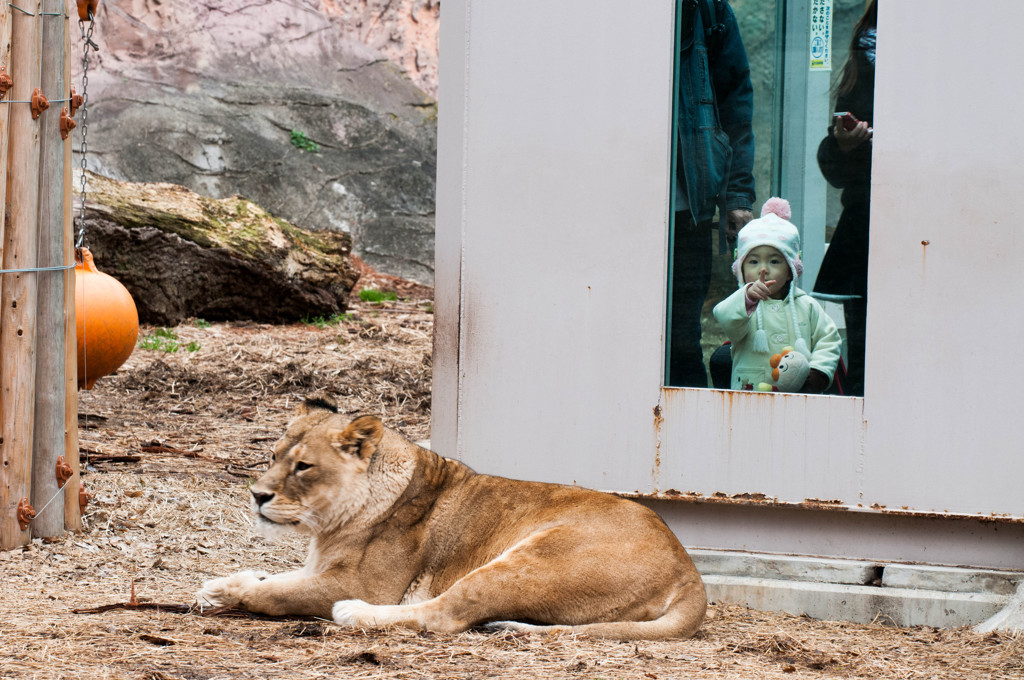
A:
[951,579]
[857,591]
[786,567]
[859,604]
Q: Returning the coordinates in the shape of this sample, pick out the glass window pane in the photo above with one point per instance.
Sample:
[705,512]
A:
[779,85]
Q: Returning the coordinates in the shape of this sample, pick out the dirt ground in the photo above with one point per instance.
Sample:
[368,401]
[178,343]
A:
[169,444]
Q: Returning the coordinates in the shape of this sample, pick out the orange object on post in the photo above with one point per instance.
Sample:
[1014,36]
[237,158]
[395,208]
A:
[83,497]
[106,320]
[75,100]
[87,9]
[5,81]
[63,471]
[26,513]
[66,123]
[39,103]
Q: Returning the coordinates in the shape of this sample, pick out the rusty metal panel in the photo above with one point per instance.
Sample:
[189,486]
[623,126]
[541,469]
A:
[865,535]
[760,447]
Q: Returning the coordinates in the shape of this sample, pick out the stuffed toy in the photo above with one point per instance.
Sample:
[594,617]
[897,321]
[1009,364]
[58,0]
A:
[789,370]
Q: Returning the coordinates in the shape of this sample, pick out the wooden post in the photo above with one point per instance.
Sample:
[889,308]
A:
[50,389]
[18,296]
[8,484]
[5,69]
[72,511]
[17,301]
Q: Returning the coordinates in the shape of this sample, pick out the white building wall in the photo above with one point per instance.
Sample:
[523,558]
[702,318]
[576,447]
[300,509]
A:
[559,208]
[551,276]
[945,316]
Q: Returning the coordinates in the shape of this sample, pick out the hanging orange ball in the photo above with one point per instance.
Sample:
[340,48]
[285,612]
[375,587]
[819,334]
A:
[106,320]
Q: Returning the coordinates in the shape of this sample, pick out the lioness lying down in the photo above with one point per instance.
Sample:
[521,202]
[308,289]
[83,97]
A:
[402,536]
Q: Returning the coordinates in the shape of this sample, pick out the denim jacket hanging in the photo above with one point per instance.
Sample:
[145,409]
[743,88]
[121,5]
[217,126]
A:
[715,111]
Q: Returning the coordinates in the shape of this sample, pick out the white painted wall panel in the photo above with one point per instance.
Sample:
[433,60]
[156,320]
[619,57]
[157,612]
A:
[945,321]
[452,139]
[565,192]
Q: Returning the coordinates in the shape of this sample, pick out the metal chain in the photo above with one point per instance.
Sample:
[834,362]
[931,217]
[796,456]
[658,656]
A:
[87,45]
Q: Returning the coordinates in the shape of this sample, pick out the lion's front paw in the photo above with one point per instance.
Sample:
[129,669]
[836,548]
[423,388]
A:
[229,590]
[354,613]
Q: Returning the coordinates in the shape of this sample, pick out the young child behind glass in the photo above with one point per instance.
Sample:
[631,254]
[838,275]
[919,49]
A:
[768,313]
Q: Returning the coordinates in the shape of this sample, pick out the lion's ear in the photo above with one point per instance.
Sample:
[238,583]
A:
[360,438]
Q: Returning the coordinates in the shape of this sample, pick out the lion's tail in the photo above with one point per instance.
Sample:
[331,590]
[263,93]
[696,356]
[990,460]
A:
[681,620]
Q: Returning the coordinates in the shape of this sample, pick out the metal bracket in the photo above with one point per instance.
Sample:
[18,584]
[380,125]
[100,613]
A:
[83,497]
[76,102]
[39,103]
[66,123]
[6,82]
[26,513]
[64,471]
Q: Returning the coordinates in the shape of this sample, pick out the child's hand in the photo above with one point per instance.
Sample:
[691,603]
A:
[816,383]
[759,289]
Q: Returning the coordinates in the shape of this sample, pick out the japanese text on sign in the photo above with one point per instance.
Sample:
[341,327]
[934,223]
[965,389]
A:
[821,35]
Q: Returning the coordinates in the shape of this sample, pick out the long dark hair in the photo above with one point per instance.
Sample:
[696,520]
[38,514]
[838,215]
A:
[849,76]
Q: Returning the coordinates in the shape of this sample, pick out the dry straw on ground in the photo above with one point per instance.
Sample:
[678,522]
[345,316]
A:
[170,443]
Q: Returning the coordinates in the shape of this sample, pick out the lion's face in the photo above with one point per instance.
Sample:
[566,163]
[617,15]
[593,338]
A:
[318,475]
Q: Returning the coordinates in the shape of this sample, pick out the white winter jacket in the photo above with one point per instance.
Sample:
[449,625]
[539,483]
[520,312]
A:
[815,326]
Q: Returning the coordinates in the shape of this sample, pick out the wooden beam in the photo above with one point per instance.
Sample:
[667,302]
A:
[5,69]
[50,389]
[18,295]
[72,512]
[9,485]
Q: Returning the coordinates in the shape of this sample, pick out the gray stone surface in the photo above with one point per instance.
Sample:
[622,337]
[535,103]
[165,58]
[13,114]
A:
[796,568]
[1010,618]
[951,579]
[406,31]
[860,604]
[863,592]
[206,95]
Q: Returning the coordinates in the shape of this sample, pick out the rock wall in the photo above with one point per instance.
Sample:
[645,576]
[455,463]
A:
[278,101]
[405,31]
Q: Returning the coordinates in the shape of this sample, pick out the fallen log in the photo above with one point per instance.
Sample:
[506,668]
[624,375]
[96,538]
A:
[182,255]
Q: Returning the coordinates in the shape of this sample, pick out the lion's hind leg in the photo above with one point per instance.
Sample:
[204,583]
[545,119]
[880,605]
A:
[553,577]
[681,620]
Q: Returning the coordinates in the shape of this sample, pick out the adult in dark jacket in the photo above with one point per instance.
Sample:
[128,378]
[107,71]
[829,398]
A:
[714,167]
[844,157]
